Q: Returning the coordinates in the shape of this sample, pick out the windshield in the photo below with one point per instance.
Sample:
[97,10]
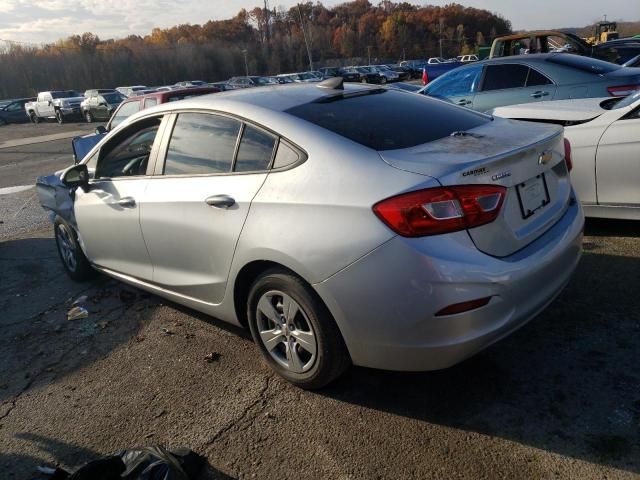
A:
[305,76]
[384,119]
[67,94]
[364,70]
[112,98]
[261,80]
[626,101]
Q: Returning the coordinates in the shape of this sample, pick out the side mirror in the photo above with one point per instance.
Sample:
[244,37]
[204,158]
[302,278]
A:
[102,104]
[100,130]
[76,176]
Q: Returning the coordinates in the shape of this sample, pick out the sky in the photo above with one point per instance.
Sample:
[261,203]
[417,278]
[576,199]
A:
[48,20]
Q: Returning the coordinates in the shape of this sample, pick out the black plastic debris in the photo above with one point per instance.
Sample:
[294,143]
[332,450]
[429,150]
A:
[148,463]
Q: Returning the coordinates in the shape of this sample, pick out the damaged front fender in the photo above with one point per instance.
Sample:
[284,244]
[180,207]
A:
[56,198]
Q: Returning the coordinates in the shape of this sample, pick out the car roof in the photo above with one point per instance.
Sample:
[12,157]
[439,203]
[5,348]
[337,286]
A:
[276,98]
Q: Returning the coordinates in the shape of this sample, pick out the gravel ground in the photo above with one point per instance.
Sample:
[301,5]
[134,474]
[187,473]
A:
[558,399]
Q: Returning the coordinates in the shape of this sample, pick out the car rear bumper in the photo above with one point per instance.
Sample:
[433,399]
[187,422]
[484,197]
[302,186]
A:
[385,303]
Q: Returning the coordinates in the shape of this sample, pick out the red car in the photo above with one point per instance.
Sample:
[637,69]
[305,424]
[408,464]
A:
[134,104]
[83,145]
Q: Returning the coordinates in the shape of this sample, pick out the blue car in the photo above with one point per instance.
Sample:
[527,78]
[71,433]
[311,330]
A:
[13,111]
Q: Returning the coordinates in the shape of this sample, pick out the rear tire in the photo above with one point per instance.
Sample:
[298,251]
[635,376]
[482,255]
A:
[59,117]
[295,332]
[74,261]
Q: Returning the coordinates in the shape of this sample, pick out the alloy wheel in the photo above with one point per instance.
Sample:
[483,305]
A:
[286,332]
[67,247]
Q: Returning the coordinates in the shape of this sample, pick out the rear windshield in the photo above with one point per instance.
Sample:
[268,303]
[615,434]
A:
[386,120]
[586,64]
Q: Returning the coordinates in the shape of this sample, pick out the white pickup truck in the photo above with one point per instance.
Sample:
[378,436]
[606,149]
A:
[61,105]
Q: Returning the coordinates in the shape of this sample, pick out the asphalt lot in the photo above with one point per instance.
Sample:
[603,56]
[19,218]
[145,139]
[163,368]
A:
[558,399]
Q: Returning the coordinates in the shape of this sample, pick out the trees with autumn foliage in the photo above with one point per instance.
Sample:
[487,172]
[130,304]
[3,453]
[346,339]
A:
[272,39]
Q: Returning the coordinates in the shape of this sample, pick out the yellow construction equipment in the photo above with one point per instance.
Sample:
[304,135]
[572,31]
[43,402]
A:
[603,32]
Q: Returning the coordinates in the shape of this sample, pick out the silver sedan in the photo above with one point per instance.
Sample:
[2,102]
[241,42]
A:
[340,224]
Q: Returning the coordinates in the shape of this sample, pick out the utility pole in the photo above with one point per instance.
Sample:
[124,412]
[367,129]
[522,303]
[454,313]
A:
[304,34]
[441,22]
[267,26]
[246,65]
[369,53]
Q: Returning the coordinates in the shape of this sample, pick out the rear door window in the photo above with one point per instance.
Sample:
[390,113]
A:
[385,120]
[255,151]
[201,144]
[285,156]
[535,79]
[502,76]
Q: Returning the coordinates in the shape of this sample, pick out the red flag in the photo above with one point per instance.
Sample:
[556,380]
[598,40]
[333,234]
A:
[425,77]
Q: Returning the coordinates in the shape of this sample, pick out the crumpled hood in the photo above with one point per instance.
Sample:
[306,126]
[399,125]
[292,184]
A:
[576,110]
[462,152]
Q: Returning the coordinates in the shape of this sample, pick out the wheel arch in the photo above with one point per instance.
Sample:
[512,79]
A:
[245,278]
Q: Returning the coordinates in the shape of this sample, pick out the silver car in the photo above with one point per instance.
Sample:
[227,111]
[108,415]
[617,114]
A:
[329,222]
[497,82]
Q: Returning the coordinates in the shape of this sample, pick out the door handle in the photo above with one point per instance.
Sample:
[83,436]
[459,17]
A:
[463,102]
[539,93]
[220,201]
[126,202]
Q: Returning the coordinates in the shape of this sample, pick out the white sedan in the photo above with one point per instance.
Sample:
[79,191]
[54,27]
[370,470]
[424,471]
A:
[605,141]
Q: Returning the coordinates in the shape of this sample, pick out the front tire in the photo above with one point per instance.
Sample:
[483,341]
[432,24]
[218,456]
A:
[294,330]
[34,118]
[73,259]
[59,117]
[88,117]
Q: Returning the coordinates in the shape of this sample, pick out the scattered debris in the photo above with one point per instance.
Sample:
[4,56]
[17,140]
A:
[139,338]
[166,331]
[212,357]
[77,312]
[79,300]
[144,463]
[103,324]
[159,413]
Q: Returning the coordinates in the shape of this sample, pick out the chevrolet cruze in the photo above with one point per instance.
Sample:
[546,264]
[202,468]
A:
[340,224]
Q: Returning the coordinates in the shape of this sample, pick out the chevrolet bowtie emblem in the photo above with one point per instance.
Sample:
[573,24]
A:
[545,157]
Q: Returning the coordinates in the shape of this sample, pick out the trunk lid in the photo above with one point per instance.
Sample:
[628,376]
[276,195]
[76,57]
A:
[525,158]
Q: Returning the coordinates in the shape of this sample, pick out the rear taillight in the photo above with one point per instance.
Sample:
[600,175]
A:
[623,91]
[434,211]
[567,154]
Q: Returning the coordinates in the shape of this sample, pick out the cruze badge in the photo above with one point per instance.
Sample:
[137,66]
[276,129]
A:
[545,157]
[500,176]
